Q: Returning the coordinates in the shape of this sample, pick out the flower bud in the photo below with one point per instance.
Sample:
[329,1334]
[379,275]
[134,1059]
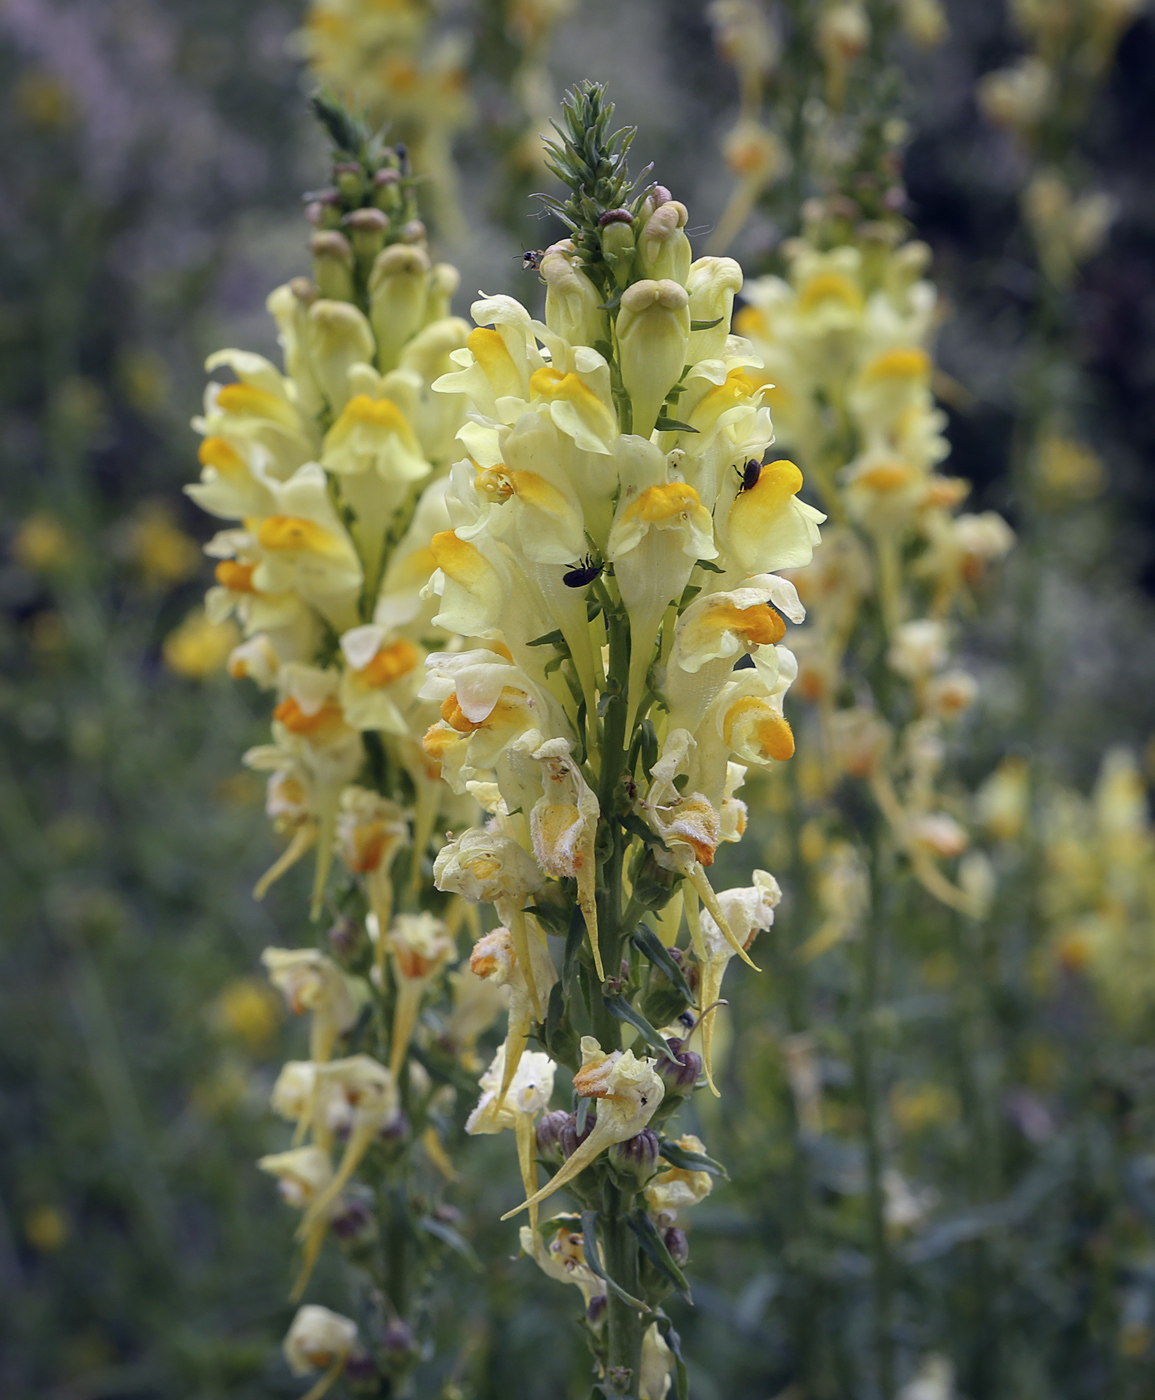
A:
[333,265]
[653,336]
[679,1246]
[397,1341]
[663,248]
[344,939]
[636,1158]
[387,191]
[618,246]
[414,232]
[349,177]
[658,196]
[571,300]
[398,294]
[712,284]
[304,291]
[568,1134]
[549,1136]
[367,229]
[337,337]
[680,1070]
[361,1374]
[443,283]
[355,1221]
[596,1311]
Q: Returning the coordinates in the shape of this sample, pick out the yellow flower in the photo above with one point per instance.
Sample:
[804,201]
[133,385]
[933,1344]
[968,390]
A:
[199,646]
[162,552]
[248,1009]
[41,542]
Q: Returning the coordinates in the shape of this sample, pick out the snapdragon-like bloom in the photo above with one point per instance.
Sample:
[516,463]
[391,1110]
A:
[628,1091]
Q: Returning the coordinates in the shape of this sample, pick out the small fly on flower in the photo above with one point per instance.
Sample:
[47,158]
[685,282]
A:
[531,260]
[582,573]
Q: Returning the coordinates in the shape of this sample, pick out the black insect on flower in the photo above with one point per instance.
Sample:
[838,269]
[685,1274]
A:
[582,574]
[749,472]
[531,260]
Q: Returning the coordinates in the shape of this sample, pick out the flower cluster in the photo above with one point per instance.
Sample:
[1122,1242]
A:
[845,339]
[386,61]
[1097,892]
[615,536]
[330,475]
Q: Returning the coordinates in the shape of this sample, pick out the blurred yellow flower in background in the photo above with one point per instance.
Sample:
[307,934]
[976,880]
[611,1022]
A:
[199,647]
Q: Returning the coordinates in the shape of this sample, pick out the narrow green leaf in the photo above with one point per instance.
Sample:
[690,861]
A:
[692,1161]
[553,639]
[671,425]
[448,1235]
[593,1259]
[619,1008]
[706,325]
[653,1244]
[674,1342]
[651,946]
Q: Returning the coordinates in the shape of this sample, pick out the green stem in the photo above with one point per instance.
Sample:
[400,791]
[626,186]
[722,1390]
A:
[865,1072]
[625,1325]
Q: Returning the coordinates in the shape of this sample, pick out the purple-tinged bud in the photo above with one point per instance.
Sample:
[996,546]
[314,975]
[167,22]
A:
[636,1158]
[680,1070]
[549,1135]
[568,1134]
[397,1340]
[447,1214]
[396,1130]
[679,1246]
[343,938]
[414,232]
[615,216]
[596,1311]
[355,1222]
[361,1369]
[306,293]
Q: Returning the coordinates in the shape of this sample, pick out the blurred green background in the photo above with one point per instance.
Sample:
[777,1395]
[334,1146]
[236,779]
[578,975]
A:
[154,157]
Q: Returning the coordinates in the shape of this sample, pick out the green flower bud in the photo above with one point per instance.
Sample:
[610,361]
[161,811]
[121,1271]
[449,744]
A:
[663,248]
[367,229]
[443,283]
[571,300]
[332,265]
[617,237]
[349,178]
